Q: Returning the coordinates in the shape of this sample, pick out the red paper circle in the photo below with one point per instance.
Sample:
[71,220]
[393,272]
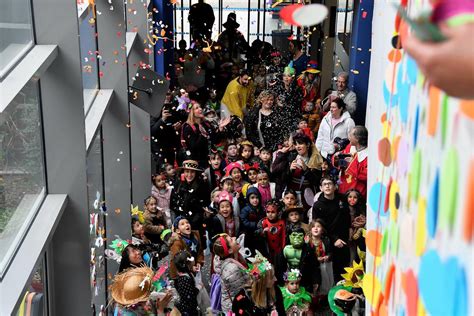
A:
[286,14]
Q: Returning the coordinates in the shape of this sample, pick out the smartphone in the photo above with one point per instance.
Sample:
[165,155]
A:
[424,29]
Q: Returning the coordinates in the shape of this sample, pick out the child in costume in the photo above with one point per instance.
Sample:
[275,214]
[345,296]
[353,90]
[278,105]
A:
[162,193]
[250,215]
[322,247]
[261,296]
[185,239]
[231,268]
[251,171]
[235,170]
[232,152]
[298,255]
[224,221]
[185,284]
[296,299]
[155,220]
[272,229]
[227,184]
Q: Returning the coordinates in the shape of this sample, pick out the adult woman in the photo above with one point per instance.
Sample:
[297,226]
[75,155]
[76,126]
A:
[131,258]
[353,164]
[197,134]
[301,168]
[190,196]
[263,124]
[337,123]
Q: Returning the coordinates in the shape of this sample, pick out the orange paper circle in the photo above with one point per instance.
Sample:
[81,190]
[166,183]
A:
[467,108]
[373,241]
[395,55]
[433,110]
[468,229]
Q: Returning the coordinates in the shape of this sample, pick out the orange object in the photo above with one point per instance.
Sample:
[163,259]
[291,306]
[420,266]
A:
[373,241]
[467,108]
[395,55]
[388,282]
[468,229]
[433,110]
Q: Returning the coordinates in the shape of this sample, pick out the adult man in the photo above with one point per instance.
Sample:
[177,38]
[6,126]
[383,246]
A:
[348,96]
[237,95]
[201,19]
[330,208]
[354,165]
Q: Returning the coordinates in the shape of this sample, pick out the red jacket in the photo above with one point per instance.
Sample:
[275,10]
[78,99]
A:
[275,240]
[354,176]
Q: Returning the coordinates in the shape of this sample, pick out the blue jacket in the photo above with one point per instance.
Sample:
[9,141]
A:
[250,215]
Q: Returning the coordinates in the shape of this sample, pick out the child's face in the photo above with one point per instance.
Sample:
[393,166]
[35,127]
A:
[302,124]
[170,172]
[294,217]
[324,166]
[254,200]
[215,161]
[272,213]
[289,200]
[256,151]
[189,175]
[225,209]
[262,179]
[234,245]
[228,186]
[265,156]
[160,182]
[328,187]
[309,107]
[317,230]
[276,61]
[252,174]
[352,198]
[293,286]
[138,228]
[246,152]
[184,228]
[236,175]
[151,205]
[232,151]
[215,197]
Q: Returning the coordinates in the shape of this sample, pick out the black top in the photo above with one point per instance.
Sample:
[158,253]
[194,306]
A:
[188,292]
[336,216]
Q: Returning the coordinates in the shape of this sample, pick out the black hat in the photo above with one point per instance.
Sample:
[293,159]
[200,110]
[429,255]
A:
[231,21]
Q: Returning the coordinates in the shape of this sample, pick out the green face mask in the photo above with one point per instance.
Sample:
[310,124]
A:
[296,239]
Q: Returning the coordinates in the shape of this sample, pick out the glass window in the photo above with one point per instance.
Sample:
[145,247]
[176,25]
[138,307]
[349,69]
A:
[95,195]
[34,299]
[90,57]
[16,33]
[22,177]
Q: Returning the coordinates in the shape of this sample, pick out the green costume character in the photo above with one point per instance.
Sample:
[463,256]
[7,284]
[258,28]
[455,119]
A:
[296,300]
[292,252]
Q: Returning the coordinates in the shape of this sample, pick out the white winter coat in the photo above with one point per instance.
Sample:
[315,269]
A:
[327,132]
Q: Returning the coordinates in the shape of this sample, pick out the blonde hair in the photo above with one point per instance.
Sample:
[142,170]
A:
[265,94]
[191,118]
[261,293]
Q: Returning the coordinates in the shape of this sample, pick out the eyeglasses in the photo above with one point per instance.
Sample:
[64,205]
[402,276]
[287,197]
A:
[324,184]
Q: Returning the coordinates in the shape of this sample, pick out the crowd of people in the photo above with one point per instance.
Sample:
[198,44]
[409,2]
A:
[258,169]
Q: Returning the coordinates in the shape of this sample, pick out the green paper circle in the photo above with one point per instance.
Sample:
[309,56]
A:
[448,185]
[444,118]
[415,173]
[394,234]
[383,245]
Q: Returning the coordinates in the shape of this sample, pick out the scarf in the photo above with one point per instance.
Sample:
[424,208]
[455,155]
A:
[299,299]
[191,244]
[265,194]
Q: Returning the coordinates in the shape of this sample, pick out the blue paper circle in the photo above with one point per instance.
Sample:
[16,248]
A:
[377,195]
[432,206]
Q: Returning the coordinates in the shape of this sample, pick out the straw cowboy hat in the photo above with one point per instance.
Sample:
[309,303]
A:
[290,209]
[190,165]
[132,286]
